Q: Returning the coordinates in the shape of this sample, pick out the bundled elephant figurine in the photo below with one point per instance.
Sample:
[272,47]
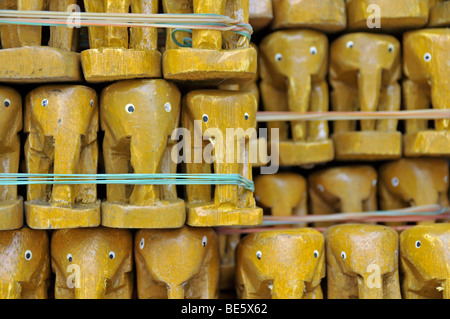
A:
[427,85]
[364,73]
[293,66]
[25,260]
[23,58]
[214,57]
[281,264]
[62,124]
[11,205]
[117,53]
[138,117]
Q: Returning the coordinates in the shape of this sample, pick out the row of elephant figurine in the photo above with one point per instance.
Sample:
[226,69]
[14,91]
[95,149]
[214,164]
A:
[358,260]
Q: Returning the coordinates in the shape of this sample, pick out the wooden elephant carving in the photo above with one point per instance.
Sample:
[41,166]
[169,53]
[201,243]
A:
[62,124]
[92,263]
[177,264]
[214,57]
[346,189]
[293,67]
[364,73]
[11,205]
[425,261]
[427,85]
[119,53]
[260,14]
[25,260]
[439,13]
[362,262]
[288,264]
[224,122]
[138,117]
[23,58]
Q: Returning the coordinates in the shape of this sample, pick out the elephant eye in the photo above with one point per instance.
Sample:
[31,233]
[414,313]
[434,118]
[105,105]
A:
[204,241]
[350,44]
[28,255]
[246,116]
[321,188]
[391,48]
[205,118]
[343,255]
[168,107]
[44,102]
[395,182]
[129,108]
[313,50]
[445,179]
[418,244]
[142,243]
[427,57]
[7,102]
[259,254]
[91,103]
[316,254]
[69,257]
[396,253]
[374,182]
[112,255]
[278,57]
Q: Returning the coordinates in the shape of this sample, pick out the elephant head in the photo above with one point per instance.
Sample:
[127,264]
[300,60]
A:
[346,189]
[294,64]
[92,263]
[287,264]
[426,62]
[362,262]
[62,124]
[410,182]
[285,194]
[177,264]
[367,62]
[425,261]
[25,260]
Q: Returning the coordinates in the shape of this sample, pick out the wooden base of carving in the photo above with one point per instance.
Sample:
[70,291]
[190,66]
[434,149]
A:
[209,215]
[162,215]
[39,65]
[109,64]
[440,15]
[11,214]
[427,143]
[368,145]
[304,153]
[212,66]
[44,216]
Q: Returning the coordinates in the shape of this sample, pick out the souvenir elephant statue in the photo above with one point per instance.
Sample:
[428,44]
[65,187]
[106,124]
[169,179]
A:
[426,67]
[410,182]
[213,57]
[364,73]
[138,117]
[62,124]
[424,261]
[281,264]
[177,263]
[92,263]
[119,53]
[23,58]
[362,262]
[222,122]
[346,189]
[11,205]
[25,260]
[293,67]
[327,16]
[439,16]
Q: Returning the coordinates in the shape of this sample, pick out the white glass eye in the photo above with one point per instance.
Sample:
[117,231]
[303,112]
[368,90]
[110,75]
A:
[204,241]
[92,103]
[396,253]
[44,102]
[258,254]
[129,108]
[316,253]
[7,102]
[112,255]
[246,116]
[350,44]
[168,107]
[391,48]
[343,255]
[374,182]
[418,244]
[28,255]
[445,179]
[205,118]
[278,57]
[321,188]
[142,243]
[313,50]
[427,57]
[395,182]
[69,257]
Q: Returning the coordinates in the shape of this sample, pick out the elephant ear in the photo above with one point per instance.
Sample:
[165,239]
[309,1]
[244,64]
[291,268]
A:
[91,135]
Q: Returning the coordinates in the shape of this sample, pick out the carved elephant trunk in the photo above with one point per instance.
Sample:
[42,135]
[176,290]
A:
[299,101]
[365,291]
[369,86]
[282,288]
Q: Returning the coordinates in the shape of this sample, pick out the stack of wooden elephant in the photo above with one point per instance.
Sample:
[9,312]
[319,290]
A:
[118,107]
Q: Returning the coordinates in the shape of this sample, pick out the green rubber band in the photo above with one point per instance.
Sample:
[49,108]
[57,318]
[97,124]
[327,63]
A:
[187,42]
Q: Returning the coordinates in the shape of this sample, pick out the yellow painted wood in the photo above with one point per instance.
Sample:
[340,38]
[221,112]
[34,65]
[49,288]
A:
[440,14]
[260,13]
